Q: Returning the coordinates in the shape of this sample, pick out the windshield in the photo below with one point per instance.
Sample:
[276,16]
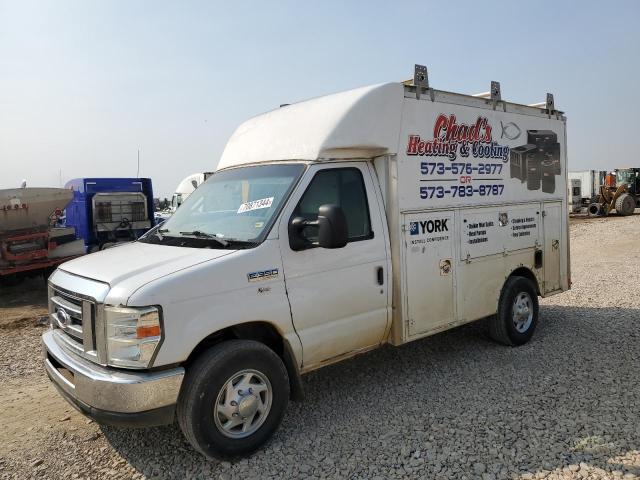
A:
[237,205]
[625,176]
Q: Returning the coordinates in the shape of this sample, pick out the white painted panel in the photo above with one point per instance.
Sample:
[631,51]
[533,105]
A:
[336,302]
[429,270]
[453,155]
[553,247]
[500,229]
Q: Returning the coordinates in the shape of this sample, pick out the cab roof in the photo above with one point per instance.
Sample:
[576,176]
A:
[359,123]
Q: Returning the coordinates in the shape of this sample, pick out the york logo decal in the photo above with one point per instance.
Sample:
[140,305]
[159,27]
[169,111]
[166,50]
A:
[428,226]
[262,275]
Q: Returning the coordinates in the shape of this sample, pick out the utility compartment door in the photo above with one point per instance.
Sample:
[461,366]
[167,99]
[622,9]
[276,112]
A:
[552,225]
[429,271]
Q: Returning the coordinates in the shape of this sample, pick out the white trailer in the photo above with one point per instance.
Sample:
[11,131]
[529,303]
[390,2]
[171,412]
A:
[590,182]
[575,195]
[333,226]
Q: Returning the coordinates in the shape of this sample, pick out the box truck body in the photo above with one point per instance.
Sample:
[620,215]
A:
[590,183]
[109,210]
[575,195]
[378,215]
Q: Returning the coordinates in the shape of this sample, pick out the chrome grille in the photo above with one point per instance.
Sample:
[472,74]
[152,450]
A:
[75,316]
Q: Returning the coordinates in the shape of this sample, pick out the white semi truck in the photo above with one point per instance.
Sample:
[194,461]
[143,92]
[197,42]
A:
[378,215]
[575,195]
[590,183]
[186,187]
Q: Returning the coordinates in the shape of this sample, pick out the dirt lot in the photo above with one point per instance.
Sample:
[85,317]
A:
[454,405]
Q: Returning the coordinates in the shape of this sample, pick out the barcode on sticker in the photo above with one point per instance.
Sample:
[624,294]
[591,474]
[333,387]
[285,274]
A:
[255,205]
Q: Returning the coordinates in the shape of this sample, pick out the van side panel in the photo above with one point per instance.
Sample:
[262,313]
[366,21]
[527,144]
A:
[493,172]
[553,234]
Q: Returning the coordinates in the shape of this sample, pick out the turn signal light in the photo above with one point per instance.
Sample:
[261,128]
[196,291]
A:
[146,331]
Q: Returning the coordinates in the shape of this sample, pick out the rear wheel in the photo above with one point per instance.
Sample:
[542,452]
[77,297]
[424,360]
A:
[517,314]
[233,398]
[625,204]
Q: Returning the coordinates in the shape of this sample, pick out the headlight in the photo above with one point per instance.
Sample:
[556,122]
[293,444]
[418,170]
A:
[133,335]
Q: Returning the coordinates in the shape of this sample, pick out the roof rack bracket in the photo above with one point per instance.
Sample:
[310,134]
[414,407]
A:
[421,80]
[496,95]
[550,105]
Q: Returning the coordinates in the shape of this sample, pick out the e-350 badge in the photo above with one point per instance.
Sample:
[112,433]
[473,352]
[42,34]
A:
[262,275]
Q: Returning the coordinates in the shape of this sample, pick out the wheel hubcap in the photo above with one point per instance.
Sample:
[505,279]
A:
[522,312]
[243,404]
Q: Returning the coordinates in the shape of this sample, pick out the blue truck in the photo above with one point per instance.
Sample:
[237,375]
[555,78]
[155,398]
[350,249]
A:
[105,211]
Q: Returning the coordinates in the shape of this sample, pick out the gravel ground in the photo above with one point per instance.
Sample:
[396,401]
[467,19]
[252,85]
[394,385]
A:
[454,405]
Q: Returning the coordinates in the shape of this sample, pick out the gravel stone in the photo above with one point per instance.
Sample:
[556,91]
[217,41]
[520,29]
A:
[454,405]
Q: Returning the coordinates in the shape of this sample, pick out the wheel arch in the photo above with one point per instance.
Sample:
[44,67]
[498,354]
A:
[525,272]
[262,332]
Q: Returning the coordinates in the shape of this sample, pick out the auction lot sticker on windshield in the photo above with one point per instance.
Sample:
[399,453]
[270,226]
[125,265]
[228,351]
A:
[255,205]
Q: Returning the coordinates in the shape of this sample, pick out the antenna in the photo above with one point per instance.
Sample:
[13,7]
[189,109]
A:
[138,170]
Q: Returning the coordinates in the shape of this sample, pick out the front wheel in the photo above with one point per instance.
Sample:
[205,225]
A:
[517,314]
[233,398]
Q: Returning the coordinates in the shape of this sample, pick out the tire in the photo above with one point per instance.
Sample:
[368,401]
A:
[625,204]
[222,372]
[508,326]
[595,209]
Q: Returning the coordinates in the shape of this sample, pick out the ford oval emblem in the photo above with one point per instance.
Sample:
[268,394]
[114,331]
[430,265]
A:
[64,319]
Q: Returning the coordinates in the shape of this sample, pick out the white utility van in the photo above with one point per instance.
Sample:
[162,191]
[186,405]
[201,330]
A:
[332,226]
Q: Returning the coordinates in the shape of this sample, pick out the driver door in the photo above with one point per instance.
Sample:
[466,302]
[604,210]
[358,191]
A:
[338,297]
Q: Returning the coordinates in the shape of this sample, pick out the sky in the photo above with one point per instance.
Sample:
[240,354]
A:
[85,85]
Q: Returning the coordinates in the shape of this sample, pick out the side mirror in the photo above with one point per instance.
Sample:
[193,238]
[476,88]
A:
[332,229]
[194,184]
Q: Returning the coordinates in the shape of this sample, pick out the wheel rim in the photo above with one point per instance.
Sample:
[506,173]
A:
[522,312]
[243,404]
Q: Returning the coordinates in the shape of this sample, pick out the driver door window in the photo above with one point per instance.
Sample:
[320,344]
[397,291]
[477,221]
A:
[343,187]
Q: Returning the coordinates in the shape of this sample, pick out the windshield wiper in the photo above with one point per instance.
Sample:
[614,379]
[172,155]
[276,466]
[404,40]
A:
[159,233]
[199,234]
[243,243]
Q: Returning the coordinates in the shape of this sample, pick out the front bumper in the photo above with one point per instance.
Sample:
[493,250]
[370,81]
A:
[108,395]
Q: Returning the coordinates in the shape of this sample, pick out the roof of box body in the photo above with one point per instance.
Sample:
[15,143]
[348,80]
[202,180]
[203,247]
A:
[359,123]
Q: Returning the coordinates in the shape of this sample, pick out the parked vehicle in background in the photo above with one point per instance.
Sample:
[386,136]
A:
[105,211]
[30,242]
[620,192]
[631,178]
[185,188]
[383,214]
[575,195]
[590,182]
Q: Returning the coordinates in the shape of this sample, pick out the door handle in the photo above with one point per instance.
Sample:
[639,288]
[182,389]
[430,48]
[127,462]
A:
[380,275]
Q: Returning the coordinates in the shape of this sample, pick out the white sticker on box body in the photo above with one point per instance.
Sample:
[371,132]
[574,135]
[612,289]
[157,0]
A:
[493,230]
[255,205]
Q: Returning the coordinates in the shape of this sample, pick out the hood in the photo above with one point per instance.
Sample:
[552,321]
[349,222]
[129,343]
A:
[139,262]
